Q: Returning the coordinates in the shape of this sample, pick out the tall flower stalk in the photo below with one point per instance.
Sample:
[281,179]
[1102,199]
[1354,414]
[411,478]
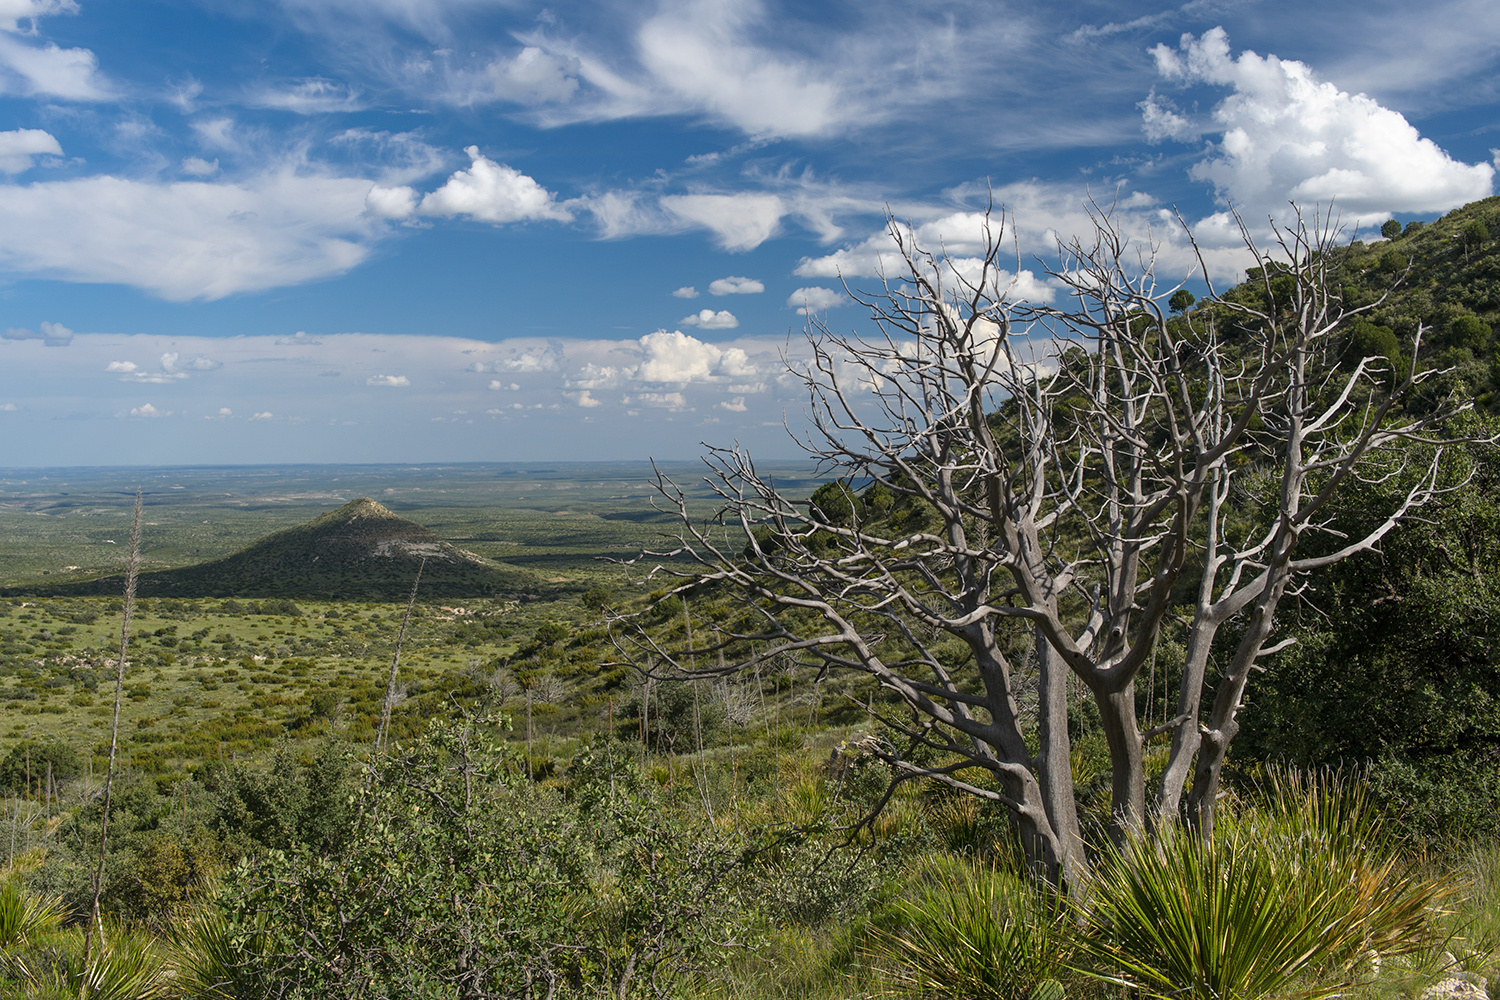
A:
[390,686]
[132,570]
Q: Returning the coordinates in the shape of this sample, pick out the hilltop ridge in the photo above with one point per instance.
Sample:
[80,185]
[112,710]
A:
[361,551]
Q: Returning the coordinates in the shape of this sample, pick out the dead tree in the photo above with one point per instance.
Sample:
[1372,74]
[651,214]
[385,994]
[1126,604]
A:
[1083,477]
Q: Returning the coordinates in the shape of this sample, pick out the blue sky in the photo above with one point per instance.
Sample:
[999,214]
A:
[249,231]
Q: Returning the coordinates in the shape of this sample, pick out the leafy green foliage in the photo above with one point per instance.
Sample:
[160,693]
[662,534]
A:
[1397,664]
[461,878]
[30,762]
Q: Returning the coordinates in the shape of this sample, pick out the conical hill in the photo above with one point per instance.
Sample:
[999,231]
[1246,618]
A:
[362,551]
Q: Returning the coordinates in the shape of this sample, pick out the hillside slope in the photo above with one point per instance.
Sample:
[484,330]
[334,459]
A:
[362,551]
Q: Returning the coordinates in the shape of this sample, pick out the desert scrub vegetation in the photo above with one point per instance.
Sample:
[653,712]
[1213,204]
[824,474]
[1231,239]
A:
[454,875]
[544,821]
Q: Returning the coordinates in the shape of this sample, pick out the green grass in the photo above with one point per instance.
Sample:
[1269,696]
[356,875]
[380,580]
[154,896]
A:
[210,678]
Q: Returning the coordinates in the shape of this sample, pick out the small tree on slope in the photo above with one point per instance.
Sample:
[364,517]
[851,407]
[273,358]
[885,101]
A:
[1075,480]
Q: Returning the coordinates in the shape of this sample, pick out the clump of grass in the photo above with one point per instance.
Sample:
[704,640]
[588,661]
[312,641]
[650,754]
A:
[1475,920]
[973,931]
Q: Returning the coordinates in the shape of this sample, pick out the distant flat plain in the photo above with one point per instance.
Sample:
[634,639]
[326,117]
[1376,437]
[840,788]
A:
[553,517]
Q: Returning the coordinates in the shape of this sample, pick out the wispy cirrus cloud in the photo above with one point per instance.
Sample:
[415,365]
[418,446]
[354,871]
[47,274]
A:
[311,96]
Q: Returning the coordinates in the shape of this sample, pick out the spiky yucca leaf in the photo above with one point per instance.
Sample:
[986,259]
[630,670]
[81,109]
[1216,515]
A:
[1327,840]
[25,918]
[26,922]
[1285,901]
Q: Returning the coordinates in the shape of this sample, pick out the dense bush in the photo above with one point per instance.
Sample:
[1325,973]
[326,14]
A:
[1396,669]
[461,878]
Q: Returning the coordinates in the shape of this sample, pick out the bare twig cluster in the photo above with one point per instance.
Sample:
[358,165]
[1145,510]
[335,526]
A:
[1078,478]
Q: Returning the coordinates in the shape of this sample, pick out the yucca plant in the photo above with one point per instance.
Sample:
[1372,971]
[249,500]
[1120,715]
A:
[216,960]
[971,931]
[1327,840]
[1286,900]
[26,922]
[1175,917]
[118,965]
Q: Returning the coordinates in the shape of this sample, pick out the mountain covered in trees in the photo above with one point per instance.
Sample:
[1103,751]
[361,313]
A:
[361,551]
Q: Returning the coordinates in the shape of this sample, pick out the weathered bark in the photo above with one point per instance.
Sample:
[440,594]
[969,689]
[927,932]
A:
[1127,779]
[1054,764]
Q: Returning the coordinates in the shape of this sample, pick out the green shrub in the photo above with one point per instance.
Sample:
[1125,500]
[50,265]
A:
[30,762]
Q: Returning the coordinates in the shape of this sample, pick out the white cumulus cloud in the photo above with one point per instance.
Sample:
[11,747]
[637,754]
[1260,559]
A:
[388,380]
[1160,120]
[685,292]
[1287,135]
[1037,214]
[20,147]
[174,362]
[536,359]
[49,71]
[52,335]
[391,202]
[735,286]
[667,400]
[488,191]
[708,319]
[815,299]
[677,357]
[147,410]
